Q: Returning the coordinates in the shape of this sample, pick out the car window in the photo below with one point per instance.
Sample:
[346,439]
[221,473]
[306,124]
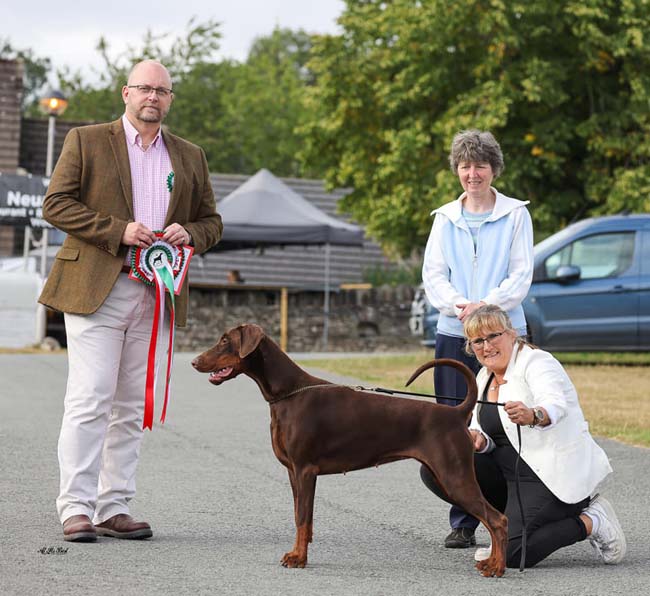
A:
[600,255]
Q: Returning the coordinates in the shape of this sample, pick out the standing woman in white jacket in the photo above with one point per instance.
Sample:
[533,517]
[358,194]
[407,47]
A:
[480,251]
[561,465]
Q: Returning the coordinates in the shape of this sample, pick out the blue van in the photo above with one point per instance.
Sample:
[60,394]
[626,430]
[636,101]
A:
[590,290]
[591,286]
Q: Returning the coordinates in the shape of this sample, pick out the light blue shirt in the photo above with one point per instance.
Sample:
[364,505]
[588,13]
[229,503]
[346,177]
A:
[474,221]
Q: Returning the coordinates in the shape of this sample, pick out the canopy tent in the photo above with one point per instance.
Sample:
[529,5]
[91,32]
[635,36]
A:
[264,211]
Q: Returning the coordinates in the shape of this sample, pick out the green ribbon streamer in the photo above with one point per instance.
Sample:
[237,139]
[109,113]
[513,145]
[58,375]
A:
[168,279]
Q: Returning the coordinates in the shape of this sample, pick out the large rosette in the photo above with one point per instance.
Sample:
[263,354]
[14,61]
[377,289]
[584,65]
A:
[164,267]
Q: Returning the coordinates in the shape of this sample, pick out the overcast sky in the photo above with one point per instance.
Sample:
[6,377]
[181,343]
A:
[68,34]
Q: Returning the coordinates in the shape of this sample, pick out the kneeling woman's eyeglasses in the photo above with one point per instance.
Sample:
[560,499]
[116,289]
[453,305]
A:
[479,342]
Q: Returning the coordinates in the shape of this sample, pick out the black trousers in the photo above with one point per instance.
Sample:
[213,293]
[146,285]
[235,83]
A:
[550,524]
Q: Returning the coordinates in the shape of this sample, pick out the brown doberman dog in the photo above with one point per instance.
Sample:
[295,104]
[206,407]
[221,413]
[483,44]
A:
[318,427]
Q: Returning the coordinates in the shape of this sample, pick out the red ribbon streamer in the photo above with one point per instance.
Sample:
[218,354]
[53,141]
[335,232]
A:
[163,278]
[150,386]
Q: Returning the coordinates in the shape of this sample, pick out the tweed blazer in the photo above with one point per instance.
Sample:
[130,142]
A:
[90,199]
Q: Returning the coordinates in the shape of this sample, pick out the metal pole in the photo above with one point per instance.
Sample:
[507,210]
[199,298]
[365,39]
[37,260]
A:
[326,306]
[26,242]
[50,146]
[51,125]
[41,316]
[284,316]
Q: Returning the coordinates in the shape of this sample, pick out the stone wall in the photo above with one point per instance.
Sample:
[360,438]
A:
[360,320]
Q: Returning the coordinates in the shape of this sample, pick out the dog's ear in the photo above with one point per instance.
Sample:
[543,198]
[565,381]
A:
[251,335]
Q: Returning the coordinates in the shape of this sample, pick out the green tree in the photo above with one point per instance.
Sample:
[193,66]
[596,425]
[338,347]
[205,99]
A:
[100,100]
[563,84]
[265,107]
[200,85]
[244,115]
[200,112]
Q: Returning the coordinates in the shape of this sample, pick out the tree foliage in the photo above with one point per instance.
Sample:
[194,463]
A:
[100,100]
[265,107]
[244,115]
[563,84]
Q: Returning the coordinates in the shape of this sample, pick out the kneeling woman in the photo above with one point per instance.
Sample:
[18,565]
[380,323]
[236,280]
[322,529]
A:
[561,465]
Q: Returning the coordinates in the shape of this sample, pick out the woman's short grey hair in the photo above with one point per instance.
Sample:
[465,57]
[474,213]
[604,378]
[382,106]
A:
[476,146]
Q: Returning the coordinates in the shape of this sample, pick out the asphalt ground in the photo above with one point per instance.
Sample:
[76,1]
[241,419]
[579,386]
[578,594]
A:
[221,509]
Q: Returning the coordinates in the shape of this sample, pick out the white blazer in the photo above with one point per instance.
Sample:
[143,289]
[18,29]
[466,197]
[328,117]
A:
[563,454]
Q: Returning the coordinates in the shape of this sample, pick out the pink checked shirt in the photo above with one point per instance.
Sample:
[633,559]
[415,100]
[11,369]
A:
[150,171]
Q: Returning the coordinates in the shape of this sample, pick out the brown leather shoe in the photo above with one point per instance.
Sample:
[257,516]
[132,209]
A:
[123,525]
[79,528]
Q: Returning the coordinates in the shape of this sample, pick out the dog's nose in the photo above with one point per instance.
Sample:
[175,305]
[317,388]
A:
[196,362]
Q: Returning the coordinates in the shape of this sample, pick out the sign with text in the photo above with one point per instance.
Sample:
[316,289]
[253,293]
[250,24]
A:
[21,200]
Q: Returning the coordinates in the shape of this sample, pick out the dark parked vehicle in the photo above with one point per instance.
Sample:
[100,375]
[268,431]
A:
[591,286]
[590,290]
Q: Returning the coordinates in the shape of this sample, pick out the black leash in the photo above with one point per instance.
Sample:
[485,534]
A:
[396,391]
[381,390]
[524,532]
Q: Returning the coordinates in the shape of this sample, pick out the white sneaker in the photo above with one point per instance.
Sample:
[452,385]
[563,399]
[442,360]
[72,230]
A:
[608,541]
[483,553]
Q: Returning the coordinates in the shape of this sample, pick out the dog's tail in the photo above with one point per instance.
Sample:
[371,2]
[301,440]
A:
[467,406]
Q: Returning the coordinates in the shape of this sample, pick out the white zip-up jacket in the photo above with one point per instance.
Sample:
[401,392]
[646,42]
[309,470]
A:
[498,271]
[563,454]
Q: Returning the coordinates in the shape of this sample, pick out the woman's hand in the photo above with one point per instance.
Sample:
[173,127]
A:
[468,309]
[478,439]
[519,413]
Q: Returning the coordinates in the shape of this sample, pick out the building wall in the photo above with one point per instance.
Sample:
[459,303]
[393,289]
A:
[11,95]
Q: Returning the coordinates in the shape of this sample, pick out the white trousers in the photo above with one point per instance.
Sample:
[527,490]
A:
[101,432]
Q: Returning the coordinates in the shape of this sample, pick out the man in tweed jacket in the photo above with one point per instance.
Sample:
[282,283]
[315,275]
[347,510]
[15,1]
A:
[113,185]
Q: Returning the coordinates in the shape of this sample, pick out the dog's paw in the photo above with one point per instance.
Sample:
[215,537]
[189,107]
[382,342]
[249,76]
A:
[293,560]
[491,567]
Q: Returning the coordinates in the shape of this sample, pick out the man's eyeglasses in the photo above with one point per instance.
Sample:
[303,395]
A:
[147,89]
[479,342]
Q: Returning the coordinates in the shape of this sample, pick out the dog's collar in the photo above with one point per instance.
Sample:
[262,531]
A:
[292,393]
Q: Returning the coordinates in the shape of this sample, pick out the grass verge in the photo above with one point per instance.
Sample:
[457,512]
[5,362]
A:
[614,397]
